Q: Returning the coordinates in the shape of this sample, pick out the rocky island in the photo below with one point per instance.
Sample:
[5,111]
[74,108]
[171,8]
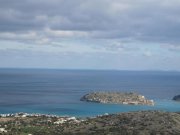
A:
[117,98]
[176,98]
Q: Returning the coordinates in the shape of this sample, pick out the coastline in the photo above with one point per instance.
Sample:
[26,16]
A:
[90,109]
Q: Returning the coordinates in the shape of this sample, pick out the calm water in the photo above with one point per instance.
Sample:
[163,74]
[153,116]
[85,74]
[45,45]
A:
[59,91]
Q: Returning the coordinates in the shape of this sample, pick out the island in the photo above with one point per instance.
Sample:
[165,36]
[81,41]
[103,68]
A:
[130,98]
[176,98]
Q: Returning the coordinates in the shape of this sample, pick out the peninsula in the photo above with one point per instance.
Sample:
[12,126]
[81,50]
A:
[176,98]
[117,98]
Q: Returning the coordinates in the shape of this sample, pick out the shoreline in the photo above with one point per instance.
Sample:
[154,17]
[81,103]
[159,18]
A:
[158,106]
[24,114]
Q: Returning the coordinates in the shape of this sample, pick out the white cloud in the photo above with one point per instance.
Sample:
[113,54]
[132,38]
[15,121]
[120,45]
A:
[148,21]
[66,33]
[18,36]
[113,30]
[147,53]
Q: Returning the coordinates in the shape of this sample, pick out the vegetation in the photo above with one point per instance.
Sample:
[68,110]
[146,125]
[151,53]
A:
[132,123]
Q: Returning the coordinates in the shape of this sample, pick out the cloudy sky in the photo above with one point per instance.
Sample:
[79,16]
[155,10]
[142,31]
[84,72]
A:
[90,34]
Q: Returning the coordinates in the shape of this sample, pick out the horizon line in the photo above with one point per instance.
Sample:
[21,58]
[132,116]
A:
[91,69]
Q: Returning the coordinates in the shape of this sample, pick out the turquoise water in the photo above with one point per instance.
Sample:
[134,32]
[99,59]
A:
[58,91]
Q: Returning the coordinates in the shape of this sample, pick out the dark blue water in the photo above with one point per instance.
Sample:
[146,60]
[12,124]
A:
[58,91]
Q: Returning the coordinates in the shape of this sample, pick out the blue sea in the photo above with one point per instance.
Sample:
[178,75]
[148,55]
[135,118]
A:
[51,91]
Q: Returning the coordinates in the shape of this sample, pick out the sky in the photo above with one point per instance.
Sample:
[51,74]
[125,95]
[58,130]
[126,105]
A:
[90,34]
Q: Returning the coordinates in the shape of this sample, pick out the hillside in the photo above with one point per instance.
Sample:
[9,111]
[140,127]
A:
[132,123]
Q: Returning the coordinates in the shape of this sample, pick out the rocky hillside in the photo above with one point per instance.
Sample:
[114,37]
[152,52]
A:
[132,123]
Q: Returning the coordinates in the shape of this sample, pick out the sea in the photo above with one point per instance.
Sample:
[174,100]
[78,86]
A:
[58,92]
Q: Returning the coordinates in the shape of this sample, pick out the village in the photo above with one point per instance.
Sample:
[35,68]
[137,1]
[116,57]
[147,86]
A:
[36,119]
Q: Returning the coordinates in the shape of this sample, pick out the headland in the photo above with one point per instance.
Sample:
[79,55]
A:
[176,98]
